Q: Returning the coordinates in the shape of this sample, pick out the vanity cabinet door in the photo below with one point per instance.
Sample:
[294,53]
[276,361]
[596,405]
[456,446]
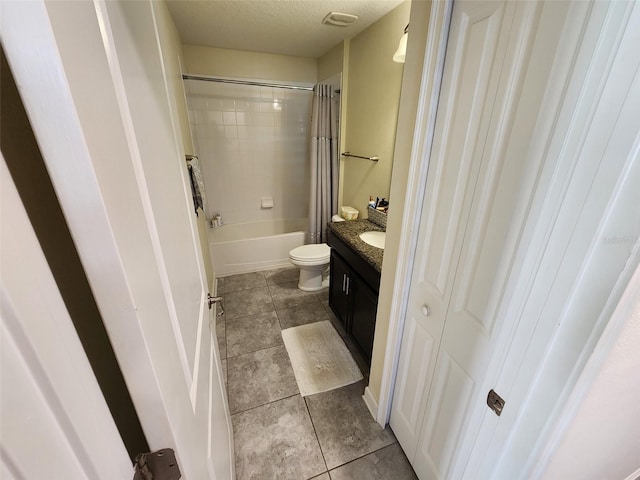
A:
[363,319]
[339,288]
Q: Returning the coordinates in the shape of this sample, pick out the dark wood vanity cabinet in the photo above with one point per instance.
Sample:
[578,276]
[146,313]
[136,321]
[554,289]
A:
[339,281]
[363,315]
[353,293]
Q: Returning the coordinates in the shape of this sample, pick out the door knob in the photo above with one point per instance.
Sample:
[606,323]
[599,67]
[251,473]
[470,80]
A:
[211,300]
[426,311]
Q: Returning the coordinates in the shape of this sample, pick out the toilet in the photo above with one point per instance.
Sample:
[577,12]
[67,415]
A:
[313,262]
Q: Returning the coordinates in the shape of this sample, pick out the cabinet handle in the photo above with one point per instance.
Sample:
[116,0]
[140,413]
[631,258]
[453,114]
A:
[348,281]
[344,280]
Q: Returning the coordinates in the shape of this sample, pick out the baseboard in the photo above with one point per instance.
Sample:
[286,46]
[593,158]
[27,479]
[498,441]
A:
[371,403]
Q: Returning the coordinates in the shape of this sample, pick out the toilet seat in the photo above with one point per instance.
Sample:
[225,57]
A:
[312,254]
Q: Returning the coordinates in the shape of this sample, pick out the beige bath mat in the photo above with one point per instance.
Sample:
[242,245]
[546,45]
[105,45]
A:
[320,359]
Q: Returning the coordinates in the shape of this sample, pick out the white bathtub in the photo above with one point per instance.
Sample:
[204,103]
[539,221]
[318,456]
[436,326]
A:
[249,247]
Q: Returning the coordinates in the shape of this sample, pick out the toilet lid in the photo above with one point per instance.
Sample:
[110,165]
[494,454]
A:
[311,252]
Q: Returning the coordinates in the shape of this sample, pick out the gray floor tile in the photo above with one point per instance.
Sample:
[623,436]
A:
[247,302]
[287,295]
[345,428]
[244,281]
[260,377]
[301,315]
[324,476]
[323,296]
[221,335]
[276,441]
[220,317]
[220,289]
[223,363]
[252,333]
[282,275]
[386,463]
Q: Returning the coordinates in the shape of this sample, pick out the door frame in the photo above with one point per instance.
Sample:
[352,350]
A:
[583,371]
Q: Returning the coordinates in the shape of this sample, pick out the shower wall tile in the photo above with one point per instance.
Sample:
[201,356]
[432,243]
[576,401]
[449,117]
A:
[252,142]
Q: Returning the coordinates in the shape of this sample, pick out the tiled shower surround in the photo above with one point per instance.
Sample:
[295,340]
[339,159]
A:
[252,142]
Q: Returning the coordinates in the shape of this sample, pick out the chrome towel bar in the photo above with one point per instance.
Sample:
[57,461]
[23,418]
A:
[348,154]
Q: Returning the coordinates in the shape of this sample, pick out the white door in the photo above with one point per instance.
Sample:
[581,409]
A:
[479,185]
[95,87]
[54,421]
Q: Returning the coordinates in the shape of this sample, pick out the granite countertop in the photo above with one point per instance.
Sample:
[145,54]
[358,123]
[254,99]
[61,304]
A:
[349,232]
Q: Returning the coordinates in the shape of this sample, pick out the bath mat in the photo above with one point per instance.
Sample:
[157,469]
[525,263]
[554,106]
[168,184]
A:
[320,359]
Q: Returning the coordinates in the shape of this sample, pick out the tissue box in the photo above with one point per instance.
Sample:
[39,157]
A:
[348,213]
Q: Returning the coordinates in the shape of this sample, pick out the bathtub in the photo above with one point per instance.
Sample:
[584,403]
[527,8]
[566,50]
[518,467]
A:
[249,247]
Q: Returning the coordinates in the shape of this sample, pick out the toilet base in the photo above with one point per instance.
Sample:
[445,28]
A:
[313,280]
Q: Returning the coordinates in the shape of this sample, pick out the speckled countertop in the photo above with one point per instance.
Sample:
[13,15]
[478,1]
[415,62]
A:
[350,230]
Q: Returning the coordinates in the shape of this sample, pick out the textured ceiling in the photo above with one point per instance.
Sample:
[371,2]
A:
[288,27]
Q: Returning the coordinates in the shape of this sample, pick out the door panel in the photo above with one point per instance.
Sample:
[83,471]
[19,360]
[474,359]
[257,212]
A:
[165,193]
[158,164]
[462,118]
[453,393]
[476,203]
[54,421]
[408,401]
[476,42]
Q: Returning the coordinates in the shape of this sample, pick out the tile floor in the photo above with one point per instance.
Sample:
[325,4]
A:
[278,434]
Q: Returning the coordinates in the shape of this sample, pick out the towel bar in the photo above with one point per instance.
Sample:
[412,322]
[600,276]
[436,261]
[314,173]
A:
[348,154]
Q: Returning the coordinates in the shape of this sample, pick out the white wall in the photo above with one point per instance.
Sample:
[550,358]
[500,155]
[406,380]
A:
[239,63]
[411,83]
[252,143]
[603,440]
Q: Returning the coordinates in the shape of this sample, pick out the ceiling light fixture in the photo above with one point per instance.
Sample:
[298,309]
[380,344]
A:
[339,19]
[401,52]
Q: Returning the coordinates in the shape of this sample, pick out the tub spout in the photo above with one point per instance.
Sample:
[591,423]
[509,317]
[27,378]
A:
[213,300]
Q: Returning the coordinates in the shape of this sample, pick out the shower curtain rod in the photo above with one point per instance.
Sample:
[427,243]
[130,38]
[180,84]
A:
[245,82]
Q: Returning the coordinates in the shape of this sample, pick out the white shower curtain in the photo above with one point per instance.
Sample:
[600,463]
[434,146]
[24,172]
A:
[323,202]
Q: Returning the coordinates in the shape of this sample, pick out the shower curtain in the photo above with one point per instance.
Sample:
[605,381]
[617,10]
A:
[323,203]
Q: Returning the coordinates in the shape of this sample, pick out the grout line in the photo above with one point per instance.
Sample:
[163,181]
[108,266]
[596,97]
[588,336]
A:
[324,460]
[254,351]
[244,289]
[250,314]
[268,403]
[364,455]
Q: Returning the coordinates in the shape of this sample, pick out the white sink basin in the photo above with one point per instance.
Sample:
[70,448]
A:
[375,239]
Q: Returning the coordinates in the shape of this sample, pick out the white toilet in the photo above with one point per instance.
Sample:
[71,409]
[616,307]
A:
[313,262]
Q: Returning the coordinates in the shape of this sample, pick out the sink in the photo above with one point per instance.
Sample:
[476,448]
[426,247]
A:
[375,239]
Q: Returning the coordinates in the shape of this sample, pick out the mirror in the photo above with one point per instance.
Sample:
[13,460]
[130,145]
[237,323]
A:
[371,97]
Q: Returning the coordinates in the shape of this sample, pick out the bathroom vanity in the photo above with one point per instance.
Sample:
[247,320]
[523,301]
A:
[355,280]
